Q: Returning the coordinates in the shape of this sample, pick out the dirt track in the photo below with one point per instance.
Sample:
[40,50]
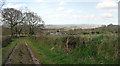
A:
[22,54]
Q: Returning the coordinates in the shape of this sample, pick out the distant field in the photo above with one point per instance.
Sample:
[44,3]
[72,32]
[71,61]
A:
[72,26]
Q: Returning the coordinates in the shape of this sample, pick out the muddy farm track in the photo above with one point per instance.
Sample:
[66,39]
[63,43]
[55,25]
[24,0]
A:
[22,54]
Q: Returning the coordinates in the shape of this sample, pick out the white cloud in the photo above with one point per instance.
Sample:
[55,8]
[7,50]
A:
[47,13]
[89,16]
[109,4]
[17,6]
[39,0]
[76,16]
[106,15]
[59,0]
[70,10]
[79,11]
[113,10]
[62,3]
[60,9]
[110,0]
[59,15]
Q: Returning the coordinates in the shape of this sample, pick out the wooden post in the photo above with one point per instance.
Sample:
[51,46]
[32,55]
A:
[67,46]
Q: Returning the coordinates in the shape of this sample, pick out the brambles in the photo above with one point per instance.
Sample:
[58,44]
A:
[6,41]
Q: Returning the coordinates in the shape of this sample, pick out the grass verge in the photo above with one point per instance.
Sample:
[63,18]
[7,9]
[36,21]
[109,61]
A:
[8,49]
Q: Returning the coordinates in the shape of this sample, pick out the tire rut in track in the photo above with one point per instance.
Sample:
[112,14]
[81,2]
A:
[22,54]
[34,58]
[11,55]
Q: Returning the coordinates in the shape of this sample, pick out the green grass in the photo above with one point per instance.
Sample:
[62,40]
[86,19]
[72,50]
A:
[98,49]
[36,47]
[8,49]
[21,54]
[101,49]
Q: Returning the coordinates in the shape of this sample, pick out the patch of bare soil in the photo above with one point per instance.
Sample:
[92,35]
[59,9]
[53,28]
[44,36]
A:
[22,54]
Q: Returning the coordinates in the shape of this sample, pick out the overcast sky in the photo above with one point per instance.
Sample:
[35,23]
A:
[70,11]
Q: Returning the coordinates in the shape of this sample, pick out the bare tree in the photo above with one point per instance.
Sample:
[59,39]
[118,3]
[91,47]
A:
[17,20]
[2,3]
[12,17]
[32,20]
